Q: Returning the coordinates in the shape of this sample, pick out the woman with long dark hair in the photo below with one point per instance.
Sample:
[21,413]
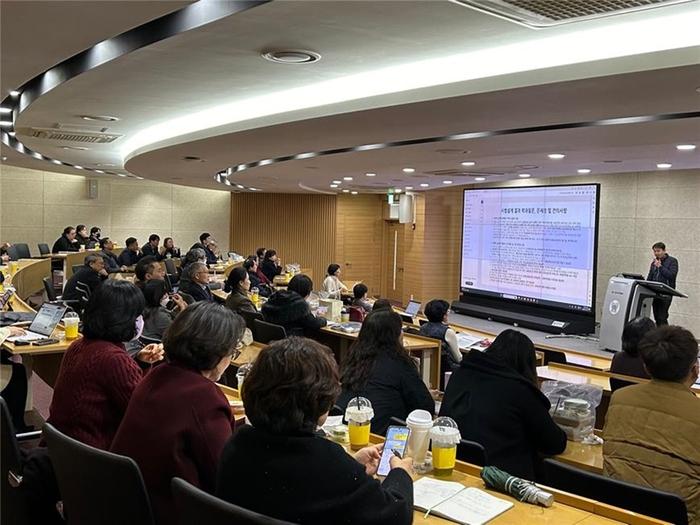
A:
[157,317]
[380,369]
[238,284]
[495,400]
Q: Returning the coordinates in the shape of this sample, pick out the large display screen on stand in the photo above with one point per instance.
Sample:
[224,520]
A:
[533,245]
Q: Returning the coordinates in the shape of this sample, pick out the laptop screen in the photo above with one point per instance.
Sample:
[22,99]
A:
[47,318]
[412,308]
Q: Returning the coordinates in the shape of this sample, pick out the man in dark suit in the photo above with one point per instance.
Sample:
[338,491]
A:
[92,275]
[198,287]
[130,255]
[111,263]
[152,247]
[663,269]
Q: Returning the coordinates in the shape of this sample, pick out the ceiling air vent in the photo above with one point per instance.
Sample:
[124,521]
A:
[464,173]
[550,13]
[72,136]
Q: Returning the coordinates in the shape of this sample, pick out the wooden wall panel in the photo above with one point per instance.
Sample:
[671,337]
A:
[301,228]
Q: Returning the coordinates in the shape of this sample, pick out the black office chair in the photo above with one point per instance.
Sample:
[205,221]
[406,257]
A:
[617,384]
[644,500]
[336,411]
[12,252]
[171,271]
[194,506]
[249,318]
[84,295]
[52,297]
[421,322]
[268,332]
[22,250]
[393,420]
[472,452]
[97,486]
[13,504]
[76,267]
[44,249]
[552,356]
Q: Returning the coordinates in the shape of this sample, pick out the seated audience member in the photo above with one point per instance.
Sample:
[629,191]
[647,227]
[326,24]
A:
[332,284]
[495,400]
[627,361]
[360,292]
[382,303]
[271,265]
[97,376]
[251,266]
[130,255]
[169,250]
[260,253]
[210,248]
[178,420]
[239,283]
[289,308]
[152,247]
[4,256]
[202,241]
[95,234]
[82,237]
[13,381]
[157,315]
[279,467]
[437,311]
[195,255]
[197,285]
[66,242]
[92,275]
[651,429]
[148,268]
[380,369]
[261,276]
[111,262]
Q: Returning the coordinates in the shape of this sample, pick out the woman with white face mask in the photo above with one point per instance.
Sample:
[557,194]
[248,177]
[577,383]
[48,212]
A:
[161,308]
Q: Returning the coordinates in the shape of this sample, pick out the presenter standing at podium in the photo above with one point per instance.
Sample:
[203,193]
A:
[663,269]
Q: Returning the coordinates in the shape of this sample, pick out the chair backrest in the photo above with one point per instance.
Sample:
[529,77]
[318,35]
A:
[552,356]
[250,318]
[170,266]
[268,332]
[23,250]
[44,248]
[76,267]
[12,252]
[97,486]
[421,322]
[356,314]
[50,290]
[616,384]
[194,507]
[644,500]
[472,452]
[13,507]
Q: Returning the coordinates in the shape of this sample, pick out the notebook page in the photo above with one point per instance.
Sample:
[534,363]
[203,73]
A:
[428,492]
[472,506]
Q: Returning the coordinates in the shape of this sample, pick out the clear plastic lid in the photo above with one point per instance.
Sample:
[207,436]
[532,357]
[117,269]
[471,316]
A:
[359,410]
[445,431]
[421,419]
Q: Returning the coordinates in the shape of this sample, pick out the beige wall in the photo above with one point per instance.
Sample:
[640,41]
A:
[37,205]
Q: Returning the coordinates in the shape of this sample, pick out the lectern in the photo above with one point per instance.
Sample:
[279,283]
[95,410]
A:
[625,299]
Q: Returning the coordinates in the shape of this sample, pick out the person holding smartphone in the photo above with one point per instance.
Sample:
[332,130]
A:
[280,467]
[161,308]
[663,269]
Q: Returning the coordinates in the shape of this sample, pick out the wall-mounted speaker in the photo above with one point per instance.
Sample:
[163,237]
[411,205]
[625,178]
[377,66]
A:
[405,209]
[93,189]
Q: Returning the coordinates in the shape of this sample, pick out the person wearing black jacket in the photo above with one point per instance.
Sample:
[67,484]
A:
[152,247]
[130,255]
[251,266]
[663,269]
[271,266]
[288,308]
[380,369]
[66,242]
[495,401]
[92,274]
[280,467]
[110,260]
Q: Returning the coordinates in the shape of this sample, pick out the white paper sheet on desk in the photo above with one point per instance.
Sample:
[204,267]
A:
[466,340]
[332,422]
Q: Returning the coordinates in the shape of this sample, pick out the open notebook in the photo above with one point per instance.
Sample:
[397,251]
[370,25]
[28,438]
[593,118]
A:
[455,502]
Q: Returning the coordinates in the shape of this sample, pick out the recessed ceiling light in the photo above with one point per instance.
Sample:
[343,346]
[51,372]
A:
[108,165]
[292,56]
[685,147]
[5,123]
[409,170]
[409,187]
[76,148]
[371,174]
[99,171]
[398,190]
[334,185]
[254,189]
[337,182]
[523,175]
[664,165]
[78,167]
[354,192]
[56,161]
[5,110]
[122,175]
[480,178]
[468,163]
[15,93]
[347,178]
[447,182]
[424,184]
[3,158]
[584,171]
[99,118]
[556,156]
[240,186]
[346,191]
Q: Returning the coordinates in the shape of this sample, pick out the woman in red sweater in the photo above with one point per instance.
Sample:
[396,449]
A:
[178,420]
[97,376]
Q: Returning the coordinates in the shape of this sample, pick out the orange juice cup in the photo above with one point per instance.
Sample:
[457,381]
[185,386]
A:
[445,436]
[359,414]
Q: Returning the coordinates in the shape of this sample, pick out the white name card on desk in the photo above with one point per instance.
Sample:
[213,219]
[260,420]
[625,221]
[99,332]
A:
[544,372]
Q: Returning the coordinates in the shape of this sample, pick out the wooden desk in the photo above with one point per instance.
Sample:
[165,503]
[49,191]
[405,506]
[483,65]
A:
[248,354]
[586,457]
[69,259]
[282,281]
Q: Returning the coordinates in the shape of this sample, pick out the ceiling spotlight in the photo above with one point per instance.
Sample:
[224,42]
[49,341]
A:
[409,187]
[240,186]
[3,158]
[347,178]
[99,171]
[556,156]
[424,184]
[685,147]
[99,118]
[254,189]
[664,165]
[292,56]
[468,163]
[523,175]
[78,167]
[584,171]
[5,110]
[56,161]
[371,174]
[346,191]
[337,182]
[409,170]
[354,192]
[447,182]
[480,179]
[334,185]
[15,93]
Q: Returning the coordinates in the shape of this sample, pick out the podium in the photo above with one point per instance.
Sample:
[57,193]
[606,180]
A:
[628,297]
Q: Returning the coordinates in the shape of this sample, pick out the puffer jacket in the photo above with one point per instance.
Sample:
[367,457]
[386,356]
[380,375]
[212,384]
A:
[290,310]
[651,438]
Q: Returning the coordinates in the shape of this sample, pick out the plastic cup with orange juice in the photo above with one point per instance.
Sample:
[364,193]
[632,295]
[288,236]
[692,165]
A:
[70,324]
[359,414]
[445,437]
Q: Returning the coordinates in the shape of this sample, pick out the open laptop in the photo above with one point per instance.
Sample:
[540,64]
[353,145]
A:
[410,311]
[43,324]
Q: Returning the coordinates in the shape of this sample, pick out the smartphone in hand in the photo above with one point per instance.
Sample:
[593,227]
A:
[394,445]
